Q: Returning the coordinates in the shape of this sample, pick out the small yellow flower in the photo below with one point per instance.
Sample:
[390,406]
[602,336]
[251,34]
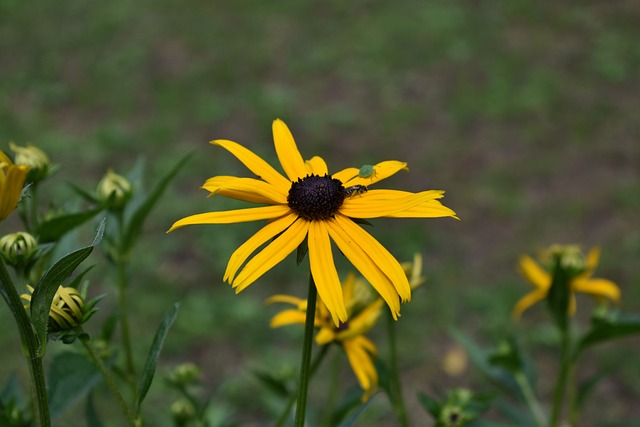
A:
[35,158]
[309,203]
[581,281]
[349,335]
[12,179]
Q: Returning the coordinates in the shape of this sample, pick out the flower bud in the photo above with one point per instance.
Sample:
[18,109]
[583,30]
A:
[35,158]
[182,411]
[18,249]
[571,258]
[184,374]
[114,190]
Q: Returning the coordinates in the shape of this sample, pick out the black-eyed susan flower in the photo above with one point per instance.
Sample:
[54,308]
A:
[12,179]
[363,314]
[309,203]
[580,269]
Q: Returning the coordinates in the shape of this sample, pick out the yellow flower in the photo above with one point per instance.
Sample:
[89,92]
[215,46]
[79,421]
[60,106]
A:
[582,281]
[12,179]
[349,335]
[308,203]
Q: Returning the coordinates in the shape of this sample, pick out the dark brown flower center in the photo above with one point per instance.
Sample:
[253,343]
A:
[316,197]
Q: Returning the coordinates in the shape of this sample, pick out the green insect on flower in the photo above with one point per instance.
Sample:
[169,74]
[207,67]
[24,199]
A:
[367,171]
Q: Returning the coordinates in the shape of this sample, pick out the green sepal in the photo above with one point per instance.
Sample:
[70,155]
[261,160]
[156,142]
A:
[46,289]
[53,229]
[137,210]
[559,295]
[154,355]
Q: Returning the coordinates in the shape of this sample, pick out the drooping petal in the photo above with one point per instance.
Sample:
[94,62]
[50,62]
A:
[325,336]
[380,171]
[362,261]
[300,303]
[531,271]
[598,288]
[380,256]
[247,189]
[255,164]
[233,216]
[381,203]
[245,250]
[593,258]
[287,317]
[288,154]
[527,301]
[271,255]
[317,166]
[361,364]
[324,271]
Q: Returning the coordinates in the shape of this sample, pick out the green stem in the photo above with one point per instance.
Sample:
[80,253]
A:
[124,325]
[395,387]
[84,339]
[561,383]
[573,396]
[314,366]
[30,341]
[301,407]
[531,399]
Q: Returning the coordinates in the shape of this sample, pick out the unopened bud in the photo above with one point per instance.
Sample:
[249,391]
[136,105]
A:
[18,249]
[35,158]
[114,190]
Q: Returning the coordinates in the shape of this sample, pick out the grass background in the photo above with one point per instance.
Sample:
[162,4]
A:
[525,112]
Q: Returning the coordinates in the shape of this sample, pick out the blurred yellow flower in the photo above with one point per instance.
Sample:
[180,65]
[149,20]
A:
[12,179]
[349,335]
[581,282]
[310,204]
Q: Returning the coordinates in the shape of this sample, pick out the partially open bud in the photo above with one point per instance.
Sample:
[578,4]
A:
[35,158]
[114,190]
[19,249]
[68,311]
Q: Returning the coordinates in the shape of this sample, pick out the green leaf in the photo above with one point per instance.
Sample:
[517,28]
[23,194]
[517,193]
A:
[53,229]
[71,376]
[354,416]
[432,405]
[615,326]
[276,385]
[136,220]
[46,289]
[91,414]
[90,197]
[154,355]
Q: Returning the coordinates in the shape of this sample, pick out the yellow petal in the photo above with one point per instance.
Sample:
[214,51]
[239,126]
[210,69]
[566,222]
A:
[363,322]
[229,217]
[362,365]
[324,271]
[346,175]
[247,189]
[380,171]
[241,254]
[288,154]
[536,276]
[599,288]
[380,256]
[428,209]
[287,317]
[255,164]
[271,255]
[527,301]
[325,336]
[380,203]
[317,166]
[362,261]
[593,258]
[288,299]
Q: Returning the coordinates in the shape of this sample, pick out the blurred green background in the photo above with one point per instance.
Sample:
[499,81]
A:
[526,113]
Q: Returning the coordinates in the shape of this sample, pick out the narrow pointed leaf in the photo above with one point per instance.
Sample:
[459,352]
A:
[43,295]
[54,228]
[154,355]
[608,329]
[134,225]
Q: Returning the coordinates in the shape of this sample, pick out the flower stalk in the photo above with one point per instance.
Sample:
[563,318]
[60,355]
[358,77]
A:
[305,370]
[395,387]
[30,341]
